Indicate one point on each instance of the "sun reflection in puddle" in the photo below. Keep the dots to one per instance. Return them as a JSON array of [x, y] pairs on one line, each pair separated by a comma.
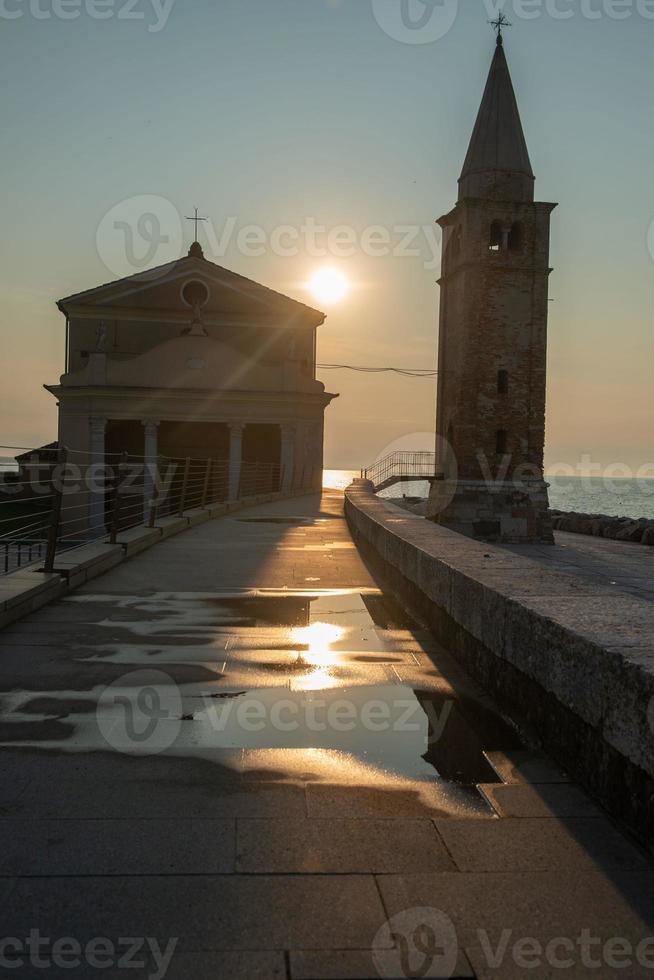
[[318, 637]]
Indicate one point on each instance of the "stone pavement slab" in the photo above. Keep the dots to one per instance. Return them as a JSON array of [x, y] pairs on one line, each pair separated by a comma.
[[552, 961], [206, 912], [142, 799], [575, 844], [360, 965], [339, 845], [118, 847], [244, 965], [543, 904], [539, 800]]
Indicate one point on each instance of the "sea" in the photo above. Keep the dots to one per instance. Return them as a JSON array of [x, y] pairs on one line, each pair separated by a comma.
[[615, 497]]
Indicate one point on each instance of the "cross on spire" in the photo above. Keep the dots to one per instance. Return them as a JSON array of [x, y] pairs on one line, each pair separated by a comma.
[[498, 24], [196, 219]]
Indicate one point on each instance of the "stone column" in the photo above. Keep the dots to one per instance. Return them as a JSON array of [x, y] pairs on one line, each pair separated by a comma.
[[95, 476], [150, 452], [235, 457], [287, 458], [319, 455]]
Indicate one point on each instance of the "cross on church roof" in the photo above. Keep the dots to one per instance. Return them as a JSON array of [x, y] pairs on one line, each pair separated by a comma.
[[196, 219], [498, 24]]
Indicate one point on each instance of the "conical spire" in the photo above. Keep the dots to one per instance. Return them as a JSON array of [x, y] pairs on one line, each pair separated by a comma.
[[497, 164]]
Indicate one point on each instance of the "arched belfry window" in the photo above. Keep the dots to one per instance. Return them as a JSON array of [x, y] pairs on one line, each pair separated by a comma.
[[495, 240], [516, 237], [502, 382]]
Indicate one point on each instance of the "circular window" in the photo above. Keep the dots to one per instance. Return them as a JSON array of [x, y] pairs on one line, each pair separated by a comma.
[[195, 293]]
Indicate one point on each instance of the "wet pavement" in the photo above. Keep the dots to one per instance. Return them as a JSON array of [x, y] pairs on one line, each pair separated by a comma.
[[240, 749]]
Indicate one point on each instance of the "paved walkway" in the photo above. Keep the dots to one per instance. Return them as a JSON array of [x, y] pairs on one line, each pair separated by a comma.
[[238, 750], [625, 564]]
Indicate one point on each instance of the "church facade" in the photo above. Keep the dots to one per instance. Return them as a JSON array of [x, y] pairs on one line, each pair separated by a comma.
[[192, 360], [493, 335]]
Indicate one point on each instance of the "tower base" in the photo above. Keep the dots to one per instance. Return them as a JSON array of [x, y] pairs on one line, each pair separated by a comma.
[[500, 512]]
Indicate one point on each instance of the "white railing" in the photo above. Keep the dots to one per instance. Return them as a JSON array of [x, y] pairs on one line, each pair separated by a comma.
[[399, 467]]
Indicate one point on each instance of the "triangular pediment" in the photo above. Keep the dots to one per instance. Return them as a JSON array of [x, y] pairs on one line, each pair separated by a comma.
[[159, 291]]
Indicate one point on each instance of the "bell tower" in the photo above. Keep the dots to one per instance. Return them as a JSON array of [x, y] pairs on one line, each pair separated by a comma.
[[493, 334]]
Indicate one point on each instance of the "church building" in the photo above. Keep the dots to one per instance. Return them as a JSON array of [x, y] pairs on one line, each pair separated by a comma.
[[493, 334], [192, 360]]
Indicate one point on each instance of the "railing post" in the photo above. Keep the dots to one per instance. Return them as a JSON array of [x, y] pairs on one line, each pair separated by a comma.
[[55, 516], [154, 502], [115, 513], [207, 477], [187, 471]]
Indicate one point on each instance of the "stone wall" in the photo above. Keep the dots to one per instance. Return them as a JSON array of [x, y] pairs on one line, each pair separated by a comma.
[[499, 512], [570, 661]]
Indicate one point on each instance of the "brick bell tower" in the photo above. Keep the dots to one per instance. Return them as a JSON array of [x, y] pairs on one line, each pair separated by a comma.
[[493, 335]]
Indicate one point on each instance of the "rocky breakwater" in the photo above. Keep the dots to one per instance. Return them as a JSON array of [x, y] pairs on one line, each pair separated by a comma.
[[638, 530]]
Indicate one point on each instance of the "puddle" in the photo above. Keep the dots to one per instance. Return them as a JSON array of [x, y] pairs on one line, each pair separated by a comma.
[[392, 728], [304, 678], [190, 621], [397, 730]]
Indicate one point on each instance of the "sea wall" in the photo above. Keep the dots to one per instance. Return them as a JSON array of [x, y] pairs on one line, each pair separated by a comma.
[[570, 661]]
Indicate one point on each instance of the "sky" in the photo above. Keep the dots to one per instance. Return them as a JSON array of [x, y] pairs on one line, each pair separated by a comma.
[[331, 133]]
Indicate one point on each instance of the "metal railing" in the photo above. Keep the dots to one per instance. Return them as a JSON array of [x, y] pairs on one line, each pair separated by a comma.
[[54, 499], [400, 467], [16, 552]]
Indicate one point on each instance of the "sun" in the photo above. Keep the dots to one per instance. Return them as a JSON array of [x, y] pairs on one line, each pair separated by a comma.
[[329, 285]]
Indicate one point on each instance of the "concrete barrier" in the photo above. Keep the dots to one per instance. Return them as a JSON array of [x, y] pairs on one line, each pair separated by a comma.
[[28, 589], [569, 660]]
